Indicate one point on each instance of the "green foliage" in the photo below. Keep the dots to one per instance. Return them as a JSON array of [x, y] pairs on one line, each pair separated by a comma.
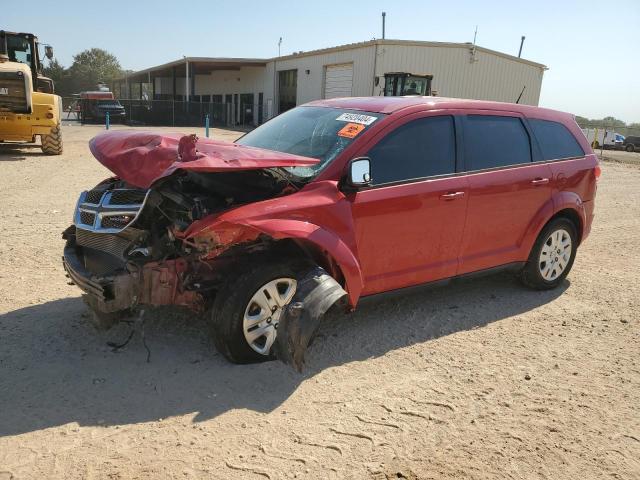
[[93, 66], [608, 122], [89, 68], [61, 80]]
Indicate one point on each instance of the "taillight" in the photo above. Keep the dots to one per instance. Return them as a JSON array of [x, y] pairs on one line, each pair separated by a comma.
[[597, 171]]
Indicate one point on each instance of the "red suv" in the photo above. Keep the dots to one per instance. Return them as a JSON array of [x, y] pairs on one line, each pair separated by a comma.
[[331, 201]]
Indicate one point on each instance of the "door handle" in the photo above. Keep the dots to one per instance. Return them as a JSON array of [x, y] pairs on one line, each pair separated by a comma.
[[539, 181], [451, 195]]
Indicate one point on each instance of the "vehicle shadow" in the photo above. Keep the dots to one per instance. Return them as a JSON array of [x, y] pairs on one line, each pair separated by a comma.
[[12, 152], [56, 369]]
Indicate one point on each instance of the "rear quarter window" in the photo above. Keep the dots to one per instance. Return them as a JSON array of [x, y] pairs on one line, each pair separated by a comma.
[[555, 140], [493, 141]]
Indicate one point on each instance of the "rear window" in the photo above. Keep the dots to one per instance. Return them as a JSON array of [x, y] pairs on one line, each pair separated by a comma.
[[555, 140], [492, 141]]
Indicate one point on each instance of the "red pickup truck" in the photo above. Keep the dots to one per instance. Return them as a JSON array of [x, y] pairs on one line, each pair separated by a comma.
[[327, 203]]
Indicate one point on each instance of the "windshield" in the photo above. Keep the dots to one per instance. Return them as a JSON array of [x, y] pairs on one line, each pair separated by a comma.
[[316, 132], [19, 49]]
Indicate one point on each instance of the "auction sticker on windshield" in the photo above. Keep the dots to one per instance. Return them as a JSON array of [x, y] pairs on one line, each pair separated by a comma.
[[357, 118], [351, 130]]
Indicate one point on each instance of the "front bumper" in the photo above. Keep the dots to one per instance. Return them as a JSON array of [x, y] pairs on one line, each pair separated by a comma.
[[108, 293], [154, 283]]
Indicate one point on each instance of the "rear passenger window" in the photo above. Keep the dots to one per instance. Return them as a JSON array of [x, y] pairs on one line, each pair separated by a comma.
[[555, 140], [491, 141], [418, 149]]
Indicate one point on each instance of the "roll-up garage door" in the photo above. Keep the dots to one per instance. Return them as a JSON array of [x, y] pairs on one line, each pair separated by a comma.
[[338, 81]]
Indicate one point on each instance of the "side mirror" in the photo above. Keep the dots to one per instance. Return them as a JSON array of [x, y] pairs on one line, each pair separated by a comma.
[[48, 52], [359, 174]]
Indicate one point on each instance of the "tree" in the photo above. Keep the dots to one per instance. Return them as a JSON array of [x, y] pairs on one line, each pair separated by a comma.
[[60, 76], [93, 66]]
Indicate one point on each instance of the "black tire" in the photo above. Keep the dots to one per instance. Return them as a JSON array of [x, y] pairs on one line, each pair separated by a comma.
[[231, 301], [530, 274], [630, 147], [52, 143]]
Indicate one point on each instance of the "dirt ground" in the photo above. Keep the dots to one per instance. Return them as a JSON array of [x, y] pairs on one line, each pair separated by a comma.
[[481, 379]]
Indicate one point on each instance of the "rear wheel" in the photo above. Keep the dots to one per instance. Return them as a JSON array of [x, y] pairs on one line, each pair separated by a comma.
[[52, 143], [247, 309], [552, 255]]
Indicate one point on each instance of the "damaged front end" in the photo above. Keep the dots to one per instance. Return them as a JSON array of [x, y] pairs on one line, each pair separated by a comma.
[[133, 242], [125, 247]]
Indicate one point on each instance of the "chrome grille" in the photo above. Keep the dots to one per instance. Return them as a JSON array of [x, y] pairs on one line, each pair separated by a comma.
[[109, 211], [127, 197], [94, 196], [116, 221], [87, 218], [109, 243]]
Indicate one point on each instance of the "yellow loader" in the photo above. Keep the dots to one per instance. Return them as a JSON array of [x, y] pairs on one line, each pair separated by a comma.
[[28, 106]]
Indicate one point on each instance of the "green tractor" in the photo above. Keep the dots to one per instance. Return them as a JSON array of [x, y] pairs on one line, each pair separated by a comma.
[[398, 84]]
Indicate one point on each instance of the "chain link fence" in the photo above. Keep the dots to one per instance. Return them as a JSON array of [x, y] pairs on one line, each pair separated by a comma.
[[174, 113]]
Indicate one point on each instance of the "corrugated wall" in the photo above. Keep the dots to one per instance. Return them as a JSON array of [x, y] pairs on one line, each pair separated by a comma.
[[458, 73], [310, 85]]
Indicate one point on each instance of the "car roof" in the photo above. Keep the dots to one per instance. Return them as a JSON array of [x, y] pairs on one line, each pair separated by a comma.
[[390, 105]]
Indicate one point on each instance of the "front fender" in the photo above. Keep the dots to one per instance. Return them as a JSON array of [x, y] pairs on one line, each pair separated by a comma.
[[208, 234], [325, 240]]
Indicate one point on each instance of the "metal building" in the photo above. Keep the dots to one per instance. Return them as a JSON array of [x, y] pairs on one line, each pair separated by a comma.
[[249, 91]]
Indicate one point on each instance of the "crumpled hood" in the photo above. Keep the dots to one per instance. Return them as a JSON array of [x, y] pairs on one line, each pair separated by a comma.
[[142, 158]]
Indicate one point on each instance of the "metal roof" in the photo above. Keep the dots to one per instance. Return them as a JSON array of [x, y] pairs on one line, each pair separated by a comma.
[[208, 64]]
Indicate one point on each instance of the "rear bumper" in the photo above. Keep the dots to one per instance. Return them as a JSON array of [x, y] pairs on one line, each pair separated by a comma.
[[588, 218]]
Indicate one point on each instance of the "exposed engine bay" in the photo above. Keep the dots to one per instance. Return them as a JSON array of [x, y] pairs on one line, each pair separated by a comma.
[[175, 226], [119, 228]]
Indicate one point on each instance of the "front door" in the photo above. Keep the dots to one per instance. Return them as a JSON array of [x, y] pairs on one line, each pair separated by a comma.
[[409, 224], [506, 191]]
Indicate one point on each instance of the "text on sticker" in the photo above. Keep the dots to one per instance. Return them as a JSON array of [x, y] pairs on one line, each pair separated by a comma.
[[357, 118]]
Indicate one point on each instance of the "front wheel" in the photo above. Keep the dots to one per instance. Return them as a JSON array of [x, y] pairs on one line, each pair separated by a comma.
[[630, 148], [247, 309], [52, 143], [552, 255]]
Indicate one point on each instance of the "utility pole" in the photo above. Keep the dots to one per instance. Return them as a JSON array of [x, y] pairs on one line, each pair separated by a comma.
[[275, 78], [384, 18], [186, 79]]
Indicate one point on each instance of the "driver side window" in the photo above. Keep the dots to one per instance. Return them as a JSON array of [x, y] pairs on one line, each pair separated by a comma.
[[420, 148]]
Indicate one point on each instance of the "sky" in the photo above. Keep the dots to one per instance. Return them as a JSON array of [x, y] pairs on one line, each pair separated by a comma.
[[592, 48]]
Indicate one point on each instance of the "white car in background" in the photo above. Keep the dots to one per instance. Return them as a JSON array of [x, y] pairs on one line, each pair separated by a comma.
[[598, 137]]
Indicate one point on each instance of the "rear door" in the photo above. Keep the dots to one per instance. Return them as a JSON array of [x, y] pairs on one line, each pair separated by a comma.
[[506, 189], [409, 224]]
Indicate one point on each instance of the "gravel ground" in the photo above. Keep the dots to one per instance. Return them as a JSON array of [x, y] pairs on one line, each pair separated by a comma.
[[481, 379]]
